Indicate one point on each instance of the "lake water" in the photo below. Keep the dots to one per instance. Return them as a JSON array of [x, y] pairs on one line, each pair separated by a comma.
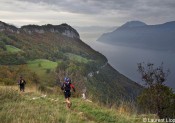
[[124, 59]]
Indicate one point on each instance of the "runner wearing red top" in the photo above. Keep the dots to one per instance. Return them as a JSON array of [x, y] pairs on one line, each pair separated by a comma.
[[67, 85]]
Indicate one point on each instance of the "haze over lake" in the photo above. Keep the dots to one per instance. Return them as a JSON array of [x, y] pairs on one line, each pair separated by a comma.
[[125, 59]]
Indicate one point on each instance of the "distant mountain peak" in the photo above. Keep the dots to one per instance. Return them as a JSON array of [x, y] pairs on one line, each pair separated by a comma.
[[171, 22], [131, 24], [137, 34]]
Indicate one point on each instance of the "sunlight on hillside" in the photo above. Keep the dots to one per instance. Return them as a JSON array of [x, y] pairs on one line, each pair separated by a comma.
[[12, 49], [78, 58], [40, 66]]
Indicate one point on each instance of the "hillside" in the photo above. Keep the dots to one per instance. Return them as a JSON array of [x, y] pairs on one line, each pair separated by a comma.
[[140, 35], [44, 55], [37, 107]]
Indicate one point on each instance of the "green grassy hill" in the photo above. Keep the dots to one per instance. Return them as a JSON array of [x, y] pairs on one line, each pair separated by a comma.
[[36, 107], [44, 55], [12, 49], [40, 66]]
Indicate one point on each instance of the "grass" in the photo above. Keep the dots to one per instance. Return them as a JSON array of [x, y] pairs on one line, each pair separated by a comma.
[[45, 64], [43, 110], [40, 66], [44, 69], [32, 107], [12, 49], [78, 58]]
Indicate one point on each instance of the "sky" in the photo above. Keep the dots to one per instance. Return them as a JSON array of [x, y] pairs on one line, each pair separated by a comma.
[[99, 15], [86, 12]]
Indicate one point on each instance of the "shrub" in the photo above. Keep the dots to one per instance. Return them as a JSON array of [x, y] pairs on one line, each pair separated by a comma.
[[45, 89], [8, 81], [157, 98], [48, 70]]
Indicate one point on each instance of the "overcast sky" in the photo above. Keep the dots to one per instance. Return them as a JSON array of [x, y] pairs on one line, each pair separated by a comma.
[[85, 13]]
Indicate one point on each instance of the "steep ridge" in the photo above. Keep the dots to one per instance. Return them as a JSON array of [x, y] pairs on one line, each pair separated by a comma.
[[54, 43], [63, 29]]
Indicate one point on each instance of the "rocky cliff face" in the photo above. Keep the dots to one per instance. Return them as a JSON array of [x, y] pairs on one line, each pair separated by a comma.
[[7, 27], [63, 29]]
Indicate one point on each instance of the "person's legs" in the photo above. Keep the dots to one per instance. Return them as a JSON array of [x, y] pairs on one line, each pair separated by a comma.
[[68, 99], [22, 88], [67, 95], [69, 103]]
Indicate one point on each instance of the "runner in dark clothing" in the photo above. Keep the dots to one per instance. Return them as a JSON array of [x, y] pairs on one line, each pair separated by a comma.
[[21, 84], [67, 85]]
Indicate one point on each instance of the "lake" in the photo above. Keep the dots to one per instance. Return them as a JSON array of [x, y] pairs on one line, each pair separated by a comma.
[[124, 59]]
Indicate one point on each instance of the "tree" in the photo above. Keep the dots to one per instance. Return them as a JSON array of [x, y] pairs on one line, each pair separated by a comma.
[[2, 46], [39, 64], [156, 97]]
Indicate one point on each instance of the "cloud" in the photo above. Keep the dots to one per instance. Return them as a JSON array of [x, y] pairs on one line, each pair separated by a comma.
[[87, 6], [22, 13], [87, 12], [97, 6]]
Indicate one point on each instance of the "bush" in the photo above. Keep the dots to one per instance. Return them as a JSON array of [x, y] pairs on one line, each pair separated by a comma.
[[156, 97], [48, 70], [45, 89], [2, 45], [12, 58], [163, 102], [8, 81], [39, 65]]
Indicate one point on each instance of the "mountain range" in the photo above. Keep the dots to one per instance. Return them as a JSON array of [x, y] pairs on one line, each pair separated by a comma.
[[52, 52], [140, 35]]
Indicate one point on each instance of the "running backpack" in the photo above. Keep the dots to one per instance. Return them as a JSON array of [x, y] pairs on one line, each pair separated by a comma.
[[67, 86]]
